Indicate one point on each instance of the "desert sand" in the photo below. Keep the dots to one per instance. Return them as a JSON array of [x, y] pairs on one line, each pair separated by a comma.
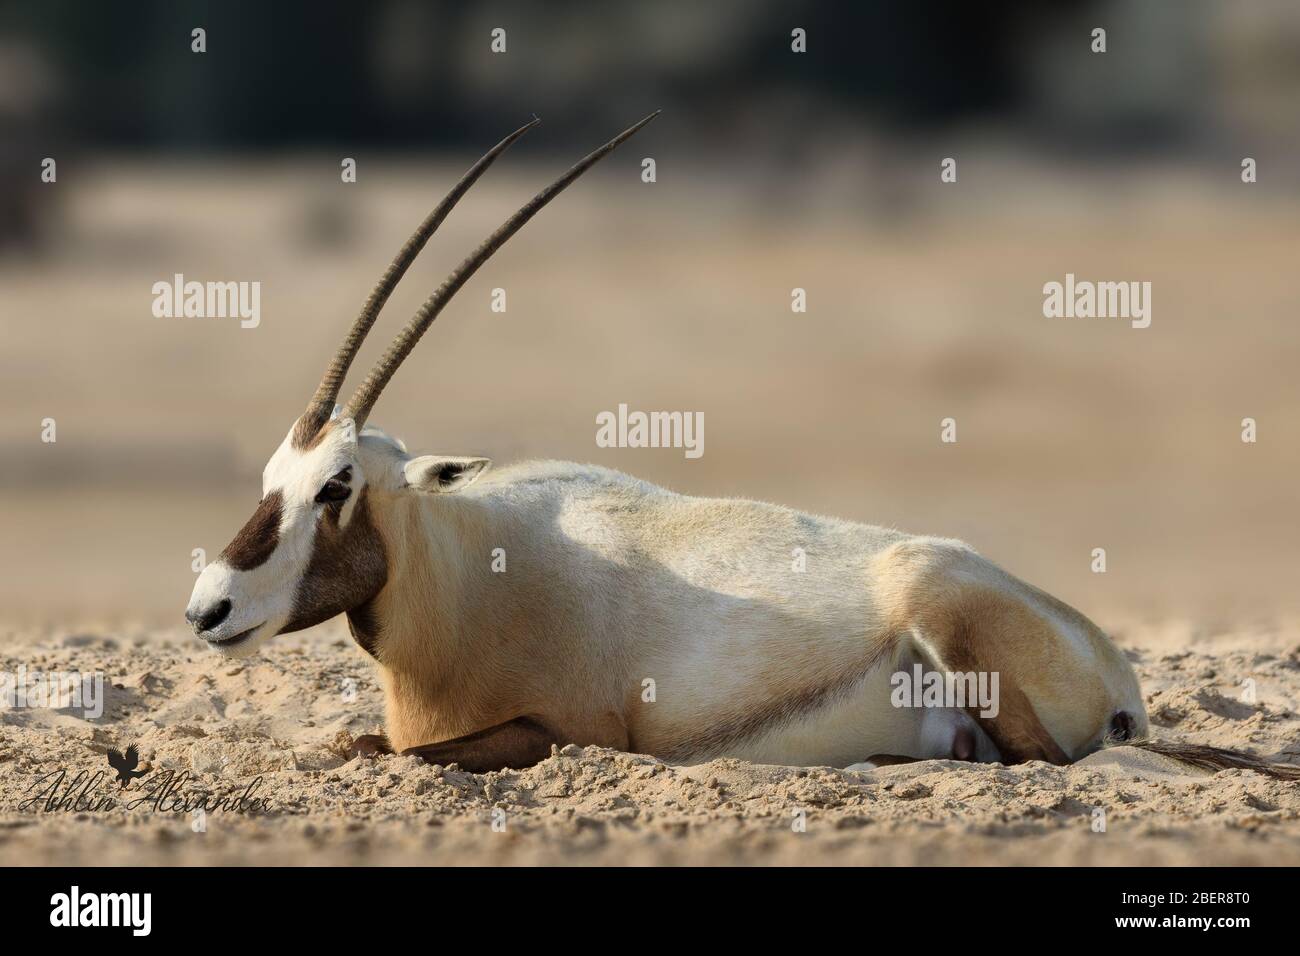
[[287, 717]]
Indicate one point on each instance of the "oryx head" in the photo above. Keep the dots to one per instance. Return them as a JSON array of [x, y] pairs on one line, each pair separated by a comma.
[[312, 548]]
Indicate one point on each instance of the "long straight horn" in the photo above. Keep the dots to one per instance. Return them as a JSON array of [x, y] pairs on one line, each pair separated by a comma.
[[364, 398], [322, 403]]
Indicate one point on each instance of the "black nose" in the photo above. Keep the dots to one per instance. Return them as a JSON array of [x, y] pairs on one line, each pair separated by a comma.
[[1122, 725], [206, 620]]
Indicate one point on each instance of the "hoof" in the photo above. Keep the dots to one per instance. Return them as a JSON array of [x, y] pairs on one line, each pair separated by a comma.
[[370, 745]]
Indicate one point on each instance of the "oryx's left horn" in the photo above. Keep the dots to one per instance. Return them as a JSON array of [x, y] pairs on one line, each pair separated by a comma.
[[322, 403]]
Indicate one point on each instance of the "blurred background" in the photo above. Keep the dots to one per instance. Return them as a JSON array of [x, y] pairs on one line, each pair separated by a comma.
[[775, 170]]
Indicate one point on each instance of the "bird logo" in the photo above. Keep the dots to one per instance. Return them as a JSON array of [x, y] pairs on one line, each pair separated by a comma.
[[125, 765]]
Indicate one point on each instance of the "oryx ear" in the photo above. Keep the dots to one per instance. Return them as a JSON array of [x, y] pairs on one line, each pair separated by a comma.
[[439, 474]]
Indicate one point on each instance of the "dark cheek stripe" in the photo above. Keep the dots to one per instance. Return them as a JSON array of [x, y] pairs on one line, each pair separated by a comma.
[[348, 567], [257, 539]]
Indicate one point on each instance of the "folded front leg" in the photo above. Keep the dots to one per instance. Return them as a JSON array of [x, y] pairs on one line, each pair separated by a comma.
[[515, 744]]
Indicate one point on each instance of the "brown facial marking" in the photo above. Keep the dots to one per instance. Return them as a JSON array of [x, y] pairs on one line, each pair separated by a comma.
[[258, 537], [348, 567]]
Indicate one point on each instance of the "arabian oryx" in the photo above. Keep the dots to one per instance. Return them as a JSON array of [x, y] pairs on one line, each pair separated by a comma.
[[629, 616]]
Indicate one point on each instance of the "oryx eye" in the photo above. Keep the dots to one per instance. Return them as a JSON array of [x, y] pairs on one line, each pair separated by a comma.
[[336, 489]]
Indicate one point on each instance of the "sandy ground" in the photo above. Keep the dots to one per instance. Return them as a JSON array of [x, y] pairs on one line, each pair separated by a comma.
[[285, 717]]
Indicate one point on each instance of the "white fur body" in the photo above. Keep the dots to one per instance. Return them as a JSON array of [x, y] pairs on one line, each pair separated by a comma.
[[611, 582], [615, 591]]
